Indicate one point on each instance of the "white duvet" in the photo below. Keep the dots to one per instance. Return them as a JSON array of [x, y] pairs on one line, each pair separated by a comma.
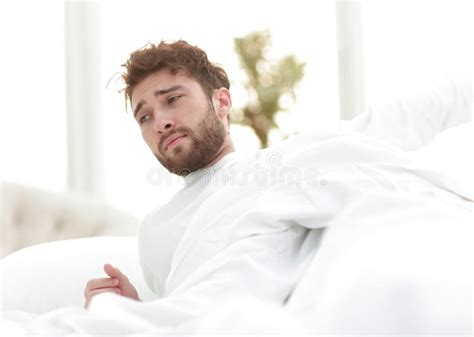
[[391, 227]]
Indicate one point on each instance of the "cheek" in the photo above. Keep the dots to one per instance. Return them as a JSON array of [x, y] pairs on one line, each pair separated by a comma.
[[149, 138]]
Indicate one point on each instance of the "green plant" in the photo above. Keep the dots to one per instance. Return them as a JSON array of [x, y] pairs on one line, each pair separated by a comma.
[[267, 81]]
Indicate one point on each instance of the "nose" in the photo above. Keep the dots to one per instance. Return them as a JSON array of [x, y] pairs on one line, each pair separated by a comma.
[[163, 124]]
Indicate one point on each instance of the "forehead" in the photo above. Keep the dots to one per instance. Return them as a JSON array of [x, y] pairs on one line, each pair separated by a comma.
[[162, 80]]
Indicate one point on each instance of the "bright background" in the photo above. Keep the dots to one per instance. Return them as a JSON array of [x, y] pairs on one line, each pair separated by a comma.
[[400, 41]]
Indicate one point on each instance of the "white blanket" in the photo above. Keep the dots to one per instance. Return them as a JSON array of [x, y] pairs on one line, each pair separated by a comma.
[[359, 188]]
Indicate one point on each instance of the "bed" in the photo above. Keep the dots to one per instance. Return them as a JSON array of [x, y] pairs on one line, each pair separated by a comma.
[[411, 276]]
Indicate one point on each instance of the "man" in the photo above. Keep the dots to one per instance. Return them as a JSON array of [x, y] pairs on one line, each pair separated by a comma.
[[181, 103]]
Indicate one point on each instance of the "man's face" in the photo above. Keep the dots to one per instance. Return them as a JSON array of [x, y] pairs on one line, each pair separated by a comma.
[[179, 124]]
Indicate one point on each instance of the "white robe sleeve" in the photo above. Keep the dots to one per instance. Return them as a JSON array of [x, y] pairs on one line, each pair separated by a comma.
[[259, 254]]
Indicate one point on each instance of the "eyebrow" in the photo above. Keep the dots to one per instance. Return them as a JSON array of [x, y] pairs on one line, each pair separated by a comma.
[[156, 94]]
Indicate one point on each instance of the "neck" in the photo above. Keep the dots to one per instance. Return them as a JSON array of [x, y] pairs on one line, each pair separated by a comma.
[[225, 149]]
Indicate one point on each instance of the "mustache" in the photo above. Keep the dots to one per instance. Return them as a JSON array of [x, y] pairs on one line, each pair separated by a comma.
[[171, 133]]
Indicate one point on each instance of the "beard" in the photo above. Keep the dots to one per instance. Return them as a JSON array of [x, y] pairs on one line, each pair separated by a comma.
[[206, 141]]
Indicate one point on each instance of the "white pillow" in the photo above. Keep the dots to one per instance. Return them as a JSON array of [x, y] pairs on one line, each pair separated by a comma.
[[47, 276]]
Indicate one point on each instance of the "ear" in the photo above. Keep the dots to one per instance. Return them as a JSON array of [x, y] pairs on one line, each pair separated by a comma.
[[222, 102]]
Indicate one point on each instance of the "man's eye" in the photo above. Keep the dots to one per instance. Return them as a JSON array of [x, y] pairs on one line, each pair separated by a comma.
[[143, 119], [173, 99]]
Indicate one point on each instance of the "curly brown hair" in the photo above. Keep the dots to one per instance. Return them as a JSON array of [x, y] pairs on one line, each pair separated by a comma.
[[177, 56]]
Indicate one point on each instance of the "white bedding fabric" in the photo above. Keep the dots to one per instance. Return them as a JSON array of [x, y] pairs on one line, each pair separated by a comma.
[[413, 118], [450, 153], [394, 258]]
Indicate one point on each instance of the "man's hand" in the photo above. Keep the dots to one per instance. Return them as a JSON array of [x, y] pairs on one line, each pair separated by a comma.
[[117, 283]]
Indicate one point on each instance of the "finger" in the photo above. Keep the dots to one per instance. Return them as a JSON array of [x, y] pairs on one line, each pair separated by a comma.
[[100, 283], [103, 290], [114, 272]]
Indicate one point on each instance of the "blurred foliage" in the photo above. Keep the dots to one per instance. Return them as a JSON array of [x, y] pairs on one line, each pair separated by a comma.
[[267, 81]]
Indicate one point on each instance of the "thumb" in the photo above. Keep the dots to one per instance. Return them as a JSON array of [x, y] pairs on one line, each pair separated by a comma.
[[114, 272]]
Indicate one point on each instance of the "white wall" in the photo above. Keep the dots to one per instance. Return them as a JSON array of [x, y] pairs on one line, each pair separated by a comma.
[[408, 42]]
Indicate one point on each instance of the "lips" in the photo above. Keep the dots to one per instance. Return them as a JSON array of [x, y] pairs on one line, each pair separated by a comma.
[[173, 140]]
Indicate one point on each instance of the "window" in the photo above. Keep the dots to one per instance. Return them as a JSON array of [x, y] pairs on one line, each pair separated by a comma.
[[33, 118]]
